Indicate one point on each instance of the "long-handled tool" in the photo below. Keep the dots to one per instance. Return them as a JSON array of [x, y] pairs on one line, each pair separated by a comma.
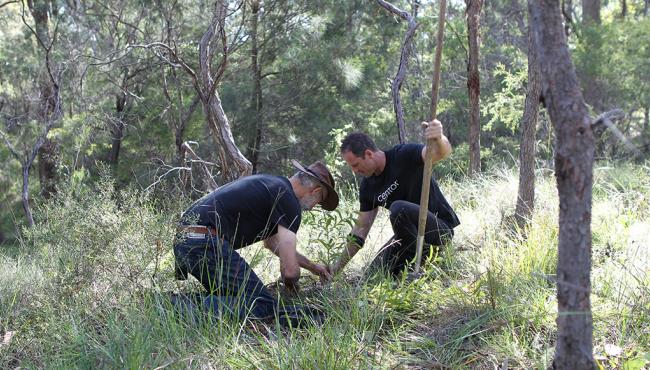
[[428, 162]]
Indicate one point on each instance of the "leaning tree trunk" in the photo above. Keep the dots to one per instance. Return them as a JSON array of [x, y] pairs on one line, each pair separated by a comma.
[[405, 54], [573, 170], [474, 85], [526, 193], [232, 161]]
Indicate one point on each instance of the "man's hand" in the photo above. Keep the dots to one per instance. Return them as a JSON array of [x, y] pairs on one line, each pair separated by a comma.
[[440, 147], [322, 271], [432, 130], [289, 288]]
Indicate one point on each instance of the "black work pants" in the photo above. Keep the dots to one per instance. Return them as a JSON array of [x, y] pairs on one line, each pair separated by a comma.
[[404, 220]]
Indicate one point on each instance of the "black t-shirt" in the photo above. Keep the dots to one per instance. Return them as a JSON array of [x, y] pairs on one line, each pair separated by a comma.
[[248, 210], [402, 180]]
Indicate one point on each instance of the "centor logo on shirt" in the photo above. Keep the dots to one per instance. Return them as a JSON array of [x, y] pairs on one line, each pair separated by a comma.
[[383, 196]]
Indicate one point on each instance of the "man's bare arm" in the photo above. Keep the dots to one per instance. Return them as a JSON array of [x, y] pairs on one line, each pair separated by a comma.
[[283, 245], [361, 229], [441, 147], [274, 244]]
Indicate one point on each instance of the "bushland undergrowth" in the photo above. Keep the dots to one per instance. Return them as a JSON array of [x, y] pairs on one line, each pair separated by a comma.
[[87, 287]]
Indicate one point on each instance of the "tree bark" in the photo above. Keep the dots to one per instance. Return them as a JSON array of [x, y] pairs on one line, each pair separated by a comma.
[[591, 11], [25, 195], [592, 37], [573, 170], [256, 101], [526, 194], [646, 5], [474, 85], [400, 77], [646, 129], [567, 12], [48, 153], [117, 129], [48, 159], [232, 161]]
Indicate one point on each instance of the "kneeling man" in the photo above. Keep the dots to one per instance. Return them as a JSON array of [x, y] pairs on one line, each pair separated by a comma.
[[255, 208]]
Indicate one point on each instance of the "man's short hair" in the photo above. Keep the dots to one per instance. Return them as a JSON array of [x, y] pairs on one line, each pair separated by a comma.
[[358, 143]]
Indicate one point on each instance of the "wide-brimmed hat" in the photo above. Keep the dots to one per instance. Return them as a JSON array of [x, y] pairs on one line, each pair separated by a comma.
[[319, 172]]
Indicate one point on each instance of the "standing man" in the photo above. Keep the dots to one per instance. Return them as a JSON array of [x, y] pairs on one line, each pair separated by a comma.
[[255, 208], [393, 180]]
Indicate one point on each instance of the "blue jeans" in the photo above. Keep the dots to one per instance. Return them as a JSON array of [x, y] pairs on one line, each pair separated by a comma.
[[404, 217], [231, 283]]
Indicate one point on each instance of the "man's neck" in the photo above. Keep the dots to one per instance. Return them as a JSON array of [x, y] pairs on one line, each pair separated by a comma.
[[298, 189], [381, 162]]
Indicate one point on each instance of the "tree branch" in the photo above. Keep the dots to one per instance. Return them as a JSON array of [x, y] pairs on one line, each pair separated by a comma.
[[405, 54], [185, 148], [11, 148], [606, 119], [7, 3]]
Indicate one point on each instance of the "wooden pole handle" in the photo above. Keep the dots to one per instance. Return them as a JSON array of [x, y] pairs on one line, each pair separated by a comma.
[[428, 161]]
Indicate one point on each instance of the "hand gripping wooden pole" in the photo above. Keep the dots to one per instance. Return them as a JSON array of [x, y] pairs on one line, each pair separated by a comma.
[[428, 162]]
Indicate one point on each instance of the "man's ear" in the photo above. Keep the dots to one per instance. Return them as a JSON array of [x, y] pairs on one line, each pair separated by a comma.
[[367, 154]]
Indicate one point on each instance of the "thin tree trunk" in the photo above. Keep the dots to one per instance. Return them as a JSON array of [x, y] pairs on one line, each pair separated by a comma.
[[232, 161], [591, 11], [526, 194], [646, 5], [592, 37], [117, 129], [25, 196], [48, 159], [48, 154], [400, 77], [574, 173], [256, 102], [474, 85], [646, 129], [567, 12]]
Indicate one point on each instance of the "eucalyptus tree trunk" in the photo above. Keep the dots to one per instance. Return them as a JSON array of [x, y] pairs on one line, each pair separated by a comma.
[[591, 11], [405, 55], [256, 101], [474, 84], [526, 194], [567, 11], [646, 129], [117, 129], [232, 161], [49, 99], [574, 173], [593, 92]]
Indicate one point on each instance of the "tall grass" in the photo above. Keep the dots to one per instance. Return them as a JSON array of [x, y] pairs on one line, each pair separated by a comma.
[[88, 288]]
